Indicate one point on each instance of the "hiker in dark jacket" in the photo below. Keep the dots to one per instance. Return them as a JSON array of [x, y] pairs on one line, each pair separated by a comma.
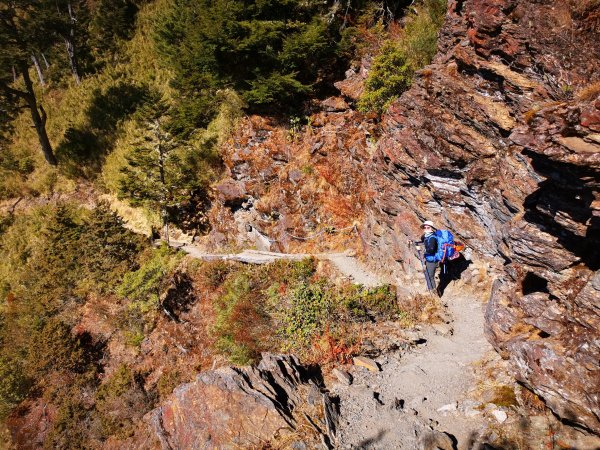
[[430, 242]]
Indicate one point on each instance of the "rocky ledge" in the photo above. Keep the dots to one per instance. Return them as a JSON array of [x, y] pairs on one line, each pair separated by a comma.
[[498, 141], [246, 407]]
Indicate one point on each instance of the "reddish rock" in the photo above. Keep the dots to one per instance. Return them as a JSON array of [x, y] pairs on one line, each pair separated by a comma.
[[245, 407], [334, 104], [30, 423], [490, 145], [231, 191]]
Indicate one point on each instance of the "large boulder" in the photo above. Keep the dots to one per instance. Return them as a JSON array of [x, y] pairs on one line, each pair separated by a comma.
[[245, 407]]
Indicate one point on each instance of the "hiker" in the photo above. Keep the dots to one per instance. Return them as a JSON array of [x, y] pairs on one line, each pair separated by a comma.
[[430, 242], [440, 249]]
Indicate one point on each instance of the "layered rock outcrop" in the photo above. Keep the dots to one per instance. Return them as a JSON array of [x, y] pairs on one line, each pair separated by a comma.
[[248, 407], [498, 140]]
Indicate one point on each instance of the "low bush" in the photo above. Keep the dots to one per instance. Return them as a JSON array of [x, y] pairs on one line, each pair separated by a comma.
[[285, 306], [143, 289], [399, 58], [120, 401]]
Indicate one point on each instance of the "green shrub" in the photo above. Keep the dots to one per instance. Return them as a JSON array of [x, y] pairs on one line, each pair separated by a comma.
[[14, 385], [394, 67], [390, 75], [143, 288], [120, 401], [240, 321], [311, 306], [366, 303]]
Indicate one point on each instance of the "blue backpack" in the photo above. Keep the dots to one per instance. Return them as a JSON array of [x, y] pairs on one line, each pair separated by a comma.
[[446, 248]]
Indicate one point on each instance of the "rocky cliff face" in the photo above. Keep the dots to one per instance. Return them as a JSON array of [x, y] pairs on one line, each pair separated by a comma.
[[498, 140], [247, 407]]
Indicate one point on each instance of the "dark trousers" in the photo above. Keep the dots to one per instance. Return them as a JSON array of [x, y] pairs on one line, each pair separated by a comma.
[[430, 267]]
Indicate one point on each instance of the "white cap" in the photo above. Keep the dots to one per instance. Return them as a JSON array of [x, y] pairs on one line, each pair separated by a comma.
[[430, 223]]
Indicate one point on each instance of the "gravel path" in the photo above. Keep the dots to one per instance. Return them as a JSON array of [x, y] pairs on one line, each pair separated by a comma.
[[415, 392], [396, 407]]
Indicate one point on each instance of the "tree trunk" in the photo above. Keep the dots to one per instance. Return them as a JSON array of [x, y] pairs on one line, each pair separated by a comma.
[[45, 61], [38, 115], [38, 70], [70, 44]]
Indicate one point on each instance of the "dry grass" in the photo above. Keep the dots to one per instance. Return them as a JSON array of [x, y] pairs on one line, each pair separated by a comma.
[[589, 92], [537, 108], [420, 308], [532, 401]]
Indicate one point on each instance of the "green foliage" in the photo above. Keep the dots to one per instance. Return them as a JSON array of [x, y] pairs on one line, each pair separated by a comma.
[[394, 67], [366, 303], [274, 53], [83, 148], [161, 173], [120, 401], [310, 308], [14, 386], [69, 427], [167, 382], [145, 285], [143, 288], [111, 22], [238, 319], [390, 76], [284, 307], [50, 262]]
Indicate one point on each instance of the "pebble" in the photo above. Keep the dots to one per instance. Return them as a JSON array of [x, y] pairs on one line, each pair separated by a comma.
[[500, 416], [366, 362], [449, 407]]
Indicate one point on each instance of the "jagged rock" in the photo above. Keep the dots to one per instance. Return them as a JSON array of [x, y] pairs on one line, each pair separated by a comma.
[[334, 104], [495, 140], [241, 407], [231, 191], [490, 149], [367, 363]]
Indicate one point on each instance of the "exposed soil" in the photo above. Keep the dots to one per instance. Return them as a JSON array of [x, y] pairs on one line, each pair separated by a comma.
[[395, 407]]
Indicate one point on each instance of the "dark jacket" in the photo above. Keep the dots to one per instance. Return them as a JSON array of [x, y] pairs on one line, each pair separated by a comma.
[[431, 245]]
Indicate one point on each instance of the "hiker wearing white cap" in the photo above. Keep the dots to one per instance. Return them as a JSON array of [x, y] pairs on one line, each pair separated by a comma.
[[430, 242]]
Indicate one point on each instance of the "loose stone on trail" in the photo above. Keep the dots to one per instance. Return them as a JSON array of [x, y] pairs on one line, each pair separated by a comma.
[[343, 376], [366, 362]]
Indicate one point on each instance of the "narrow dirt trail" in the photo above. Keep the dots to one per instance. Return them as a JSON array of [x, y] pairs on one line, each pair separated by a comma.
[[347, 265], [396, 407], [415, 392]]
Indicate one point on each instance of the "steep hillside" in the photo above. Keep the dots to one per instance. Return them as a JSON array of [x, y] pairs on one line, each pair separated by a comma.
[[498, 140], [233, 126]]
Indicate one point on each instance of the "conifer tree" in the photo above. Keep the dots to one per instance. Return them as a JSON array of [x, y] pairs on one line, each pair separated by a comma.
[[26, 28], [157, 173]]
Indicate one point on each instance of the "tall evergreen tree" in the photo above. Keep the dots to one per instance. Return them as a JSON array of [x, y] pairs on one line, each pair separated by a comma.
[[27, 27], [274, 53], [160, 172]]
